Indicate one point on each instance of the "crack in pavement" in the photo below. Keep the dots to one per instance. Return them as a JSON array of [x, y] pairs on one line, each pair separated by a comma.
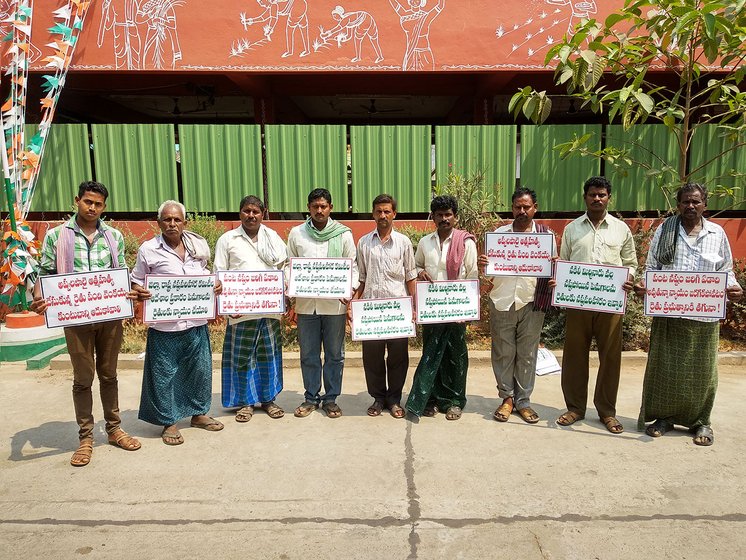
[[413, 497]]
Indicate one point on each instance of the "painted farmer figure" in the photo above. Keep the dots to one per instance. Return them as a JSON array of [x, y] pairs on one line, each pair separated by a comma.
[[252, 350], [84, 244], [415, 22], [177, 374], [354, 25], [595, 237], [321, 322], [385, 261], [446, 254], [681, 376], [517, 307]]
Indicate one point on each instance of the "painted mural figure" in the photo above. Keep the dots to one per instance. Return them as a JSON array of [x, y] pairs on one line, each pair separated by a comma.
[[160, 18], [297, 19], [416, 25], [580, 11], [7, 14], [119, 17], [354, 24], [270, 15]]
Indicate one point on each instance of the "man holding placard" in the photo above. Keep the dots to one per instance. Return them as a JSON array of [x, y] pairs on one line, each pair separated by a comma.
[[681, 375], [446, 254], [177, 374], [321, 321], [86, 243], [517, 307], [599, 238], [252, 350], [385, 260]]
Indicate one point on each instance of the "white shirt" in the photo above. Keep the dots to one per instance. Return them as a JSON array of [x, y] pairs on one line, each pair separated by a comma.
[[431, 258], [301, 244], [385, 267], [236, 251], [518, 290]]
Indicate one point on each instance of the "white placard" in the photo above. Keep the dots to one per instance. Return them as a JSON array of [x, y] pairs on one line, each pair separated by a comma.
[[546, 362], [519, 254], [382, 319], [320, 278], [591, 287], [251, 292], [179, 298], [81, 298], [674, 293], [448, 301]]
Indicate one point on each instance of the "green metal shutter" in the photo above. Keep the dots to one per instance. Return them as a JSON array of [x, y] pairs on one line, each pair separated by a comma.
[[391, 159], [301, 158], [558, 183], [137, 162], [708, 142], [66, 163], [490, 149], [220, 164], [647, 143]]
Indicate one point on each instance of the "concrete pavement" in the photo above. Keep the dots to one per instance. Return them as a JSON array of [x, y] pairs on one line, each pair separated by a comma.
[[359, 487]]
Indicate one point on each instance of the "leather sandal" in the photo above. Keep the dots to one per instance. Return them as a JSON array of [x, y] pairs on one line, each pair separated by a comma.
[[396, 411], [375, 409], [332, 409], [305, 409], [658, 428], [273, 410], [503, 411], [613, 425], [528, 415], [568, 418], [453, 413], [82, 455], [120, 438], [244, 414], [704, 436]]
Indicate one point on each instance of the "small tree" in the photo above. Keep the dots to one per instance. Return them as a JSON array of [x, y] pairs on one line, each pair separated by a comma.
[[675, 62]]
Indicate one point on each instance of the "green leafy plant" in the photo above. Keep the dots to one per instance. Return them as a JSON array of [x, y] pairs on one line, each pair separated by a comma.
[[208, 227]]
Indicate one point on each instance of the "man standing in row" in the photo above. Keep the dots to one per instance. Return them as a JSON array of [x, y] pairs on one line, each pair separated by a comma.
[[517, 307], [84, 244], [446, 254], [385, 261], [252, 350], [321, 321], [595, 237], [681, 376], [177, 374]]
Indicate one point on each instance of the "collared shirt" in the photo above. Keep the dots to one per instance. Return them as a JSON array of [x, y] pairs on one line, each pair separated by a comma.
[[301, 244], [611, 244], [385, 267], [236, 251], [518, 290], [88, 255], [709, 251], [432, 258], [156, 257]]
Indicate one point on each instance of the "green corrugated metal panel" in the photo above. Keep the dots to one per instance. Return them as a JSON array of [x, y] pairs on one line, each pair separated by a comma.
[[391, 159], [301, 158], [558, 183], [707, 144], [648, 143], [138, 164], [66, 163], [466, 149], [220, 164]]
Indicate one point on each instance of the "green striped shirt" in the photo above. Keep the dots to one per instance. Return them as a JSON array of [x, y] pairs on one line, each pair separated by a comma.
[[89, 255]]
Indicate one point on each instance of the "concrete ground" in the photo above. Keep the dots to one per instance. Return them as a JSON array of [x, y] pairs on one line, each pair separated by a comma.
[[360, 487]]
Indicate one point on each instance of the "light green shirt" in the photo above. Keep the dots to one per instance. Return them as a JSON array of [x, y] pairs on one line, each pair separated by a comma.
[[611, 244]]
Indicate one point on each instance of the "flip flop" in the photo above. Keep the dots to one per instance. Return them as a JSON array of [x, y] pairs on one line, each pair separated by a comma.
[[172, 438], [211, 426]]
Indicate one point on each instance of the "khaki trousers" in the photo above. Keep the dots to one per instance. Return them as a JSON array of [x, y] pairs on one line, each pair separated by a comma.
[[95, 348], [581, 327]]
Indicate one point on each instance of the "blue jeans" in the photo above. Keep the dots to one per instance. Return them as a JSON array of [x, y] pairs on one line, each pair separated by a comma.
[[313, 330]]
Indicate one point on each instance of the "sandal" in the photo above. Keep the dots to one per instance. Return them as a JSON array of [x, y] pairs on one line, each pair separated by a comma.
[[273, 410], [704, 436], [504, 411], [613, 425], [332, 409], [430, 411], [244, 414], [120, 438], [396, 411], [453, 413], [82, 455], [211, 425], [305, 409], [375, 409], [528, 414], [658, 428], [171, 438], [568, 418]]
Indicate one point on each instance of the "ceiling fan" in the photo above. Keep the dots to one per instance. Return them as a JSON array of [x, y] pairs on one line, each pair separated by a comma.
[[373, 110]]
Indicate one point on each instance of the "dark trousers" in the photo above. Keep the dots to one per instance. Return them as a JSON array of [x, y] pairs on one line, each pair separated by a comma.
[[392, 368], [95, 349], [582, 327]]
